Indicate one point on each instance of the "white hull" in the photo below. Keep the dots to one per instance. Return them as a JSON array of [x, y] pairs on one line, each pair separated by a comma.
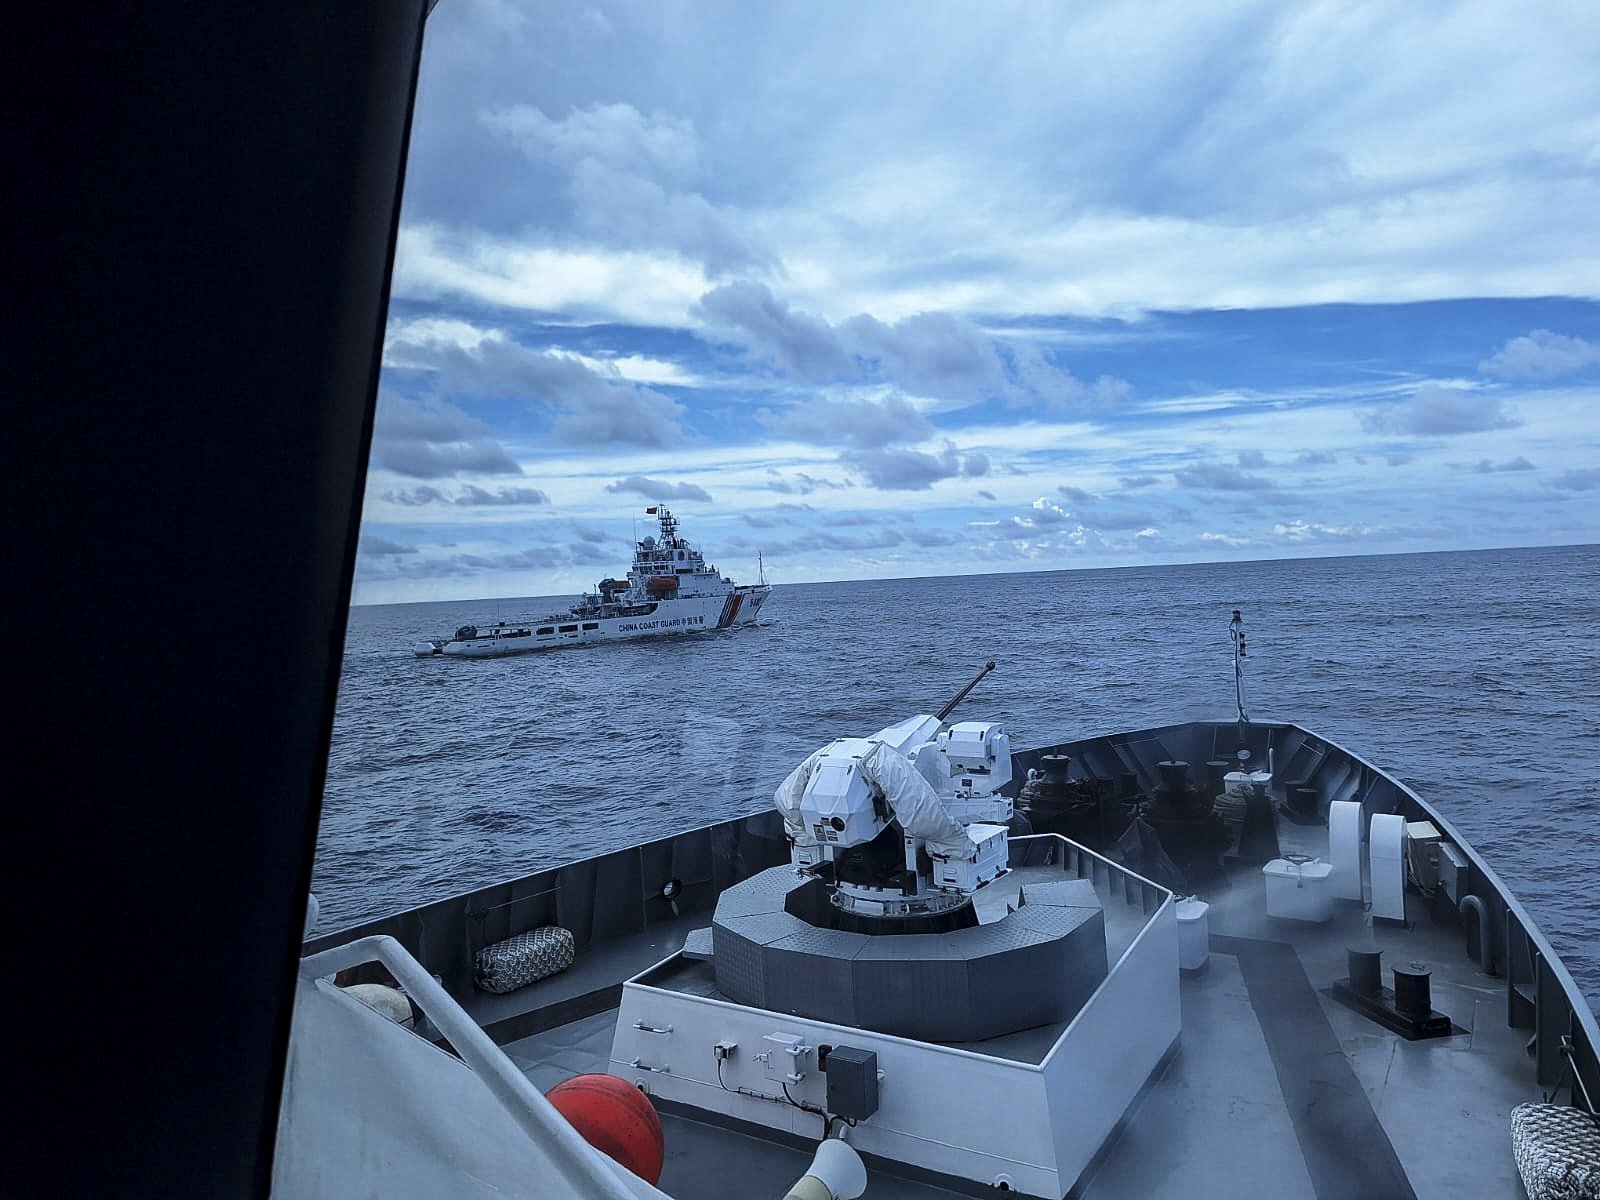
[[691, 614]]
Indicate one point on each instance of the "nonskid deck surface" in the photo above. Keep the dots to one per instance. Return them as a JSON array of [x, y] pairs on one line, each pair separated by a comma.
[[1275, 1087]]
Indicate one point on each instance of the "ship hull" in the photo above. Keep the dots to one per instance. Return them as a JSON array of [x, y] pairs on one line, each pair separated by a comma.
[[669, 618]]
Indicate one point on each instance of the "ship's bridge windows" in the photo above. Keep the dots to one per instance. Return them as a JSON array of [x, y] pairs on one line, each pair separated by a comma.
[[543, 629]]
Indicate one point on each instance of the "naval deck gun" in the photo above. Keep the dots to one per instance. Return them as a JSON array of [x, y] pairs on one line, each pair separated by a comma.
[[905, 825]]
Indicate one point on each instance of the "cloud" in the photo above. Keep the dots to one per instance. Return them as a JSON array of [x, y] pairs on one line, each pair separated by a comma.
[[589, 408], [1485, 467], [1139, 481], [986, 495], [1442, 410], [1047, 512], [1078, 495], [1309, 531], [844, 520], [864, 424], [1541, 356], [374, 545], [1216, 477], [629, 179], [1252, 460], [1316, 458], [659, 489], [935, 354], [434, 440], [408, 563], [912, 470], [929, 353], [1582, 479], [804, 346], [471, 496], [800, 484]]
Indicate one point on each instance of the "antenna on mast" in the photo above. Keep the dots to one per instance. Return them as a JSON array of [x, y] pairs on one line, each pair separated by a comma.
[[1236, 632]]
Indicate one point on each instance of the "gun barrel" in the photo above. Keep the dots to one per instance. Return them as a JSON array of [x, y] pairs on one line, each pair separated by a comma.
[[962, 694]]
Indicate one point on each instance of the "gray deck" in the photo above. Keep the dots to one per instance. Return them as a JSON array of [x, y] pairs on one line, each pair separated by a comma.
[[1275, 1088]]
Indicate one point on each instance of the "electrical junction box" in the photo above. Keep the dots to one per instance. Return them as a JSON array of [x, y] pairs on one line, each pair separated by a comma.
[[1453, 868], [786, 1057], [852, 1082], [1422, 853]]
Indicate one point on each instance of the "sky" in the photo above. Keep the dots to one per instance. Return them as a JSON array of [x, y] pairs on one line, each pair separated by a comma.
[[890, 290]]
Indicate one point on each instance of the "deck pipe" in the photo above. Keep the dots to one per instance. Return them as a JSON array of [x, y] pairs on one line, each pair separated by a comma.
[[1475, 906]]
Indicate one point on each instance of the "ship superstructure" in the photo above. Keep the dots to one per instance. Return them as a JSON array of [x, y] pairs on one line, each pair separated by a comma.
[[669, 589]]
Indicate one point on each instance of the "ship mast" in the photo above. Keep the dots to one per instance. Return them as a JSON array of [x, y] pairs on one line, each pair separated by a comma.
[[669, 526], [1236, 632]]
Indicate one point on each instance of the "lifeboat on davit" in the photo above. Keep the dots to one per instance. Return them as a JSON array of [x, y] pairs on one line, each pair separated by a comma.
[[661, 585]]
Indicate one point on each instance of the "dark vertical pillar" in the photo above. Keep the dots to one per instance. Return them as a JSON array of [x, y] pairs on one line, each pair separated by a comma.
[[202, 206]]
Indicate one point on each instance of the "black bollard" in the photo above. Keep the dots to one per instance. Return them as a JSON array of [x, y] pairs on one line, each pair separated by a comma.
[[1412, 993], [1366, 969]]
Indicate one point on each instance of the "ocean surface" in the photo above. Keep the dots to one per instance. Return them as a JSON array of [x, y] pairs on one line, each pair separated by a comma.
[[1471, 677]]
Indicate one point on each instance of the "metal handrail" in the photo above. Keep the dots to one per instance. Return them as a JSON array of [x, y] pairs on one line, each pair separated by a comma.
[[515, 1092]]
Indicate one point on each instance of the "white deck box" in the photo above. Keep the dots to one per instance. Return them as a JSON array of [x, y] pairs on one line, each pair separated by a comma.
[[1194, 934], [1299, 891]]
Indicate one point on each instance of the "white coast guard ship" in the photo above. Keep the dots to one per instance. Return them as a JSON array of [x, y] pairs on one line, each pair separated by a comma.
[[670, 589]]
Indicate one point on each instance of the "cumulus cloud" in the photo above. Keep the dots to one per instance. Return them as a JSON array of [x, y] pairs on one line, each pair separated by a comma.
[[1541, 356], [1485, 467], [1581, 479], [629, 178], [893, 469], [844, 520], [471, 496], [803, 345], [430, 563], [935, 354], [1216, 477], [589, 408], [659, 489], [799, 483], [1047, 512], [1442, 410], [372, 544], [431, 439], [1308, 531], [931, 353], [862, 423]]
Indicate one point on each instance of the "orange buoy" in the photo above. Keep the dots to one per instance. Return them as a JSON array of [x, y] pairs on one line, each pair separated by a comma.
[[615, 1118]]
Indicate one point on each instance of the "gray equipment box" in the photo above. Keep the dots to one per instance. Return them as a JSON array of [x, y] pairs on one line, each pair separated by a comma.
[[852, 1082]]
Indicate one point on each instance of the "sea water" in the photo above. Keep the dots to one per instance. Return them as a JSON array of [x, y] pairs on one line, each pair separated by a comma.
[[1471, 677]]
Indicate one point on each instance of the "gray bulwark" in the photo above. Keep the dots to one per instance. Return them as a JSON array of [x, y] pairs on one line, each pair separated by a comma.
[[1032, 967]]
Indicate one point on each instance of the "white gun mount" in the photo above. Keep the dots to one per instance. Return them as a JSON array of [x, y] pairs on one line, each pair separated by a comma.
[[907, 823]]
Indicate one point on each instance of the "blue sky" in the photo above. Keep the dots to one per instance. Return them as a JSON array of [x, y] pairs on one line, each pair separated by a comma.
[[907, 289]]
